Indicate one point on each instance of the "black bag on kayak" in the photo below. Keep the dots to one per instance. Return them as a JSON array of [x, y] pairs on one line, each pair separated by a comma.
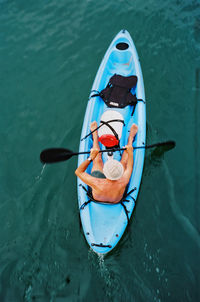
[[118, 92]]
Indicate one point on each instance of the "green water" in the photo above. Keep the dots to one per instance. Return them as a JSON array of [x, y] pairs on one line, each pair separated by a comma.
[[49, 54]]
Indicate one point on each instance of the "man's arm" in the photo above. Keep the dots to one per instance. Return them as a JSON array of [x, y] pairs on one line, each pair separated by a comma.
[[129, 167], [80, 171]]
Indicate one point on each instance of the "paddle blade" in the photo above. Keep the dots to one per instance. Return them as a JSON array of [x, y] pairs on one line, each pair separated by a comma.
[[163, 147], [55, 155], [166, 146]]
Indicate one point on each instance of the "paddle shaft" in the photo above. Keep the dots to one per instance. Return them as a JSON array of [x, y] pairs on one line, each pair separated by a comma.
[[53, 155], [122, 149]]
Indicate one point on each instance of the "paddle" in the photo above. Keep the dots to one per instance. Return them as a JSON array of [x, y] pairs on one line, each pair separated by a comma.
[[54, 155]]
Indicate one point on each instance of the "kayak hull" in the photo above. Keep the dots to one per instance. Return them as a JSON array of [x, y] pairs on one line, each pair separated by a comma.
[[103, 224]]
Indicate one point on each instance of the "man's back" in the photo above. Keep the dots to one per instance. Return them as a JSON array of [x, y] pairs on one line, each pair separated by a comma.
[[106, 190]]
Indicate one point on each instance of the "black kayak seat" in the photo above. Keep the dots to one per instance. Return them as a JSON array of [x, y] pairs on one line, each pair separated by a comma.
[[118, 91]]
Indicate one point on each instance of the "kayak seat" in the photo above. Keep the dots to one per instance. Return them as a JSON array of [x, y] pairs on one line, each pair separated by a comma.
[[117, 93]]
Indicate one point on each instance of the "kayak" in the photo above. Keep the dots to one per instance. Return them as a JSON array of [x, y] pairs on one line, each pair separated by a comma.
[[104, 224]]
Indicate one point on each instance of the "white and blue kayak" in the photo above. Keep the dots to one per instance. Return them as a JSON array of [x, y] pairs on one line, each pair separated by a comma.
[[104, 224]]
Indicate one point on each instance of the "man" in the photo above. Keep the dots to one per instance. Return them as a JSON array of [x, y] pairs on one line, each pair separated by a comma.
[[108, 181]]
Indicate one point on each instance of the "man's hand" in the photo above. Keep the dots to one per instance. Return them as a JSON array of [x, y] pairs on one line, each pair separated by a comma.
[[93, 153], [129, 149]]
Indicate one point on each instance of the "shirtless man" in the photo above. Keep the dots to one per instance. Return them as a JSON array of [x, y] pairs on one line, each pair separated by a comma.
[[108, 181]]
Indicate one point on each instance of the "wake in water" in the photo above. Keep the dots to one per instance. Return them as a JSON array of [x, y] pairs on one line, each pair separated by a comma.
[[109, 273], [100, 265], [104, 271]]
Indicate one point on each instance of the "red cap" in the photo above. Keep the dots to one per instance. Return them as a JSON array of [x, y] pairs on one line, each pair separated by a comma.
[[108, 140]]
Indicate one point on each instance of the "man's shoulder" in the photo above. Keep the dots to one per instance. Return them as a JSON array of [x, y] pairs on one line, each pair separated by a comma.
[[124, 180]]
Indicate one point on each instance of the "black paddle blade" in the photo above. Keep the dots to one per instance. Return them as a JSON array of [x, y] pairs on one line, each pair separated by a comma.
[[163, 147], [55, 155], [166, 146]]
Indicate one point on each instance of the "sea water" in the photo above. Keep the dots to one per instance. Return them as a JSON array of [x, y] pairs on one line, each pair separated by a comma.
[[49, 54]]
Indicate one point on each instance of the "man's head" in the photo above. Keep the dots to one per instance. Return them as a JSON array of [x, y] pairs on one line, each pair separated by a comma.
[[113, 169]]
